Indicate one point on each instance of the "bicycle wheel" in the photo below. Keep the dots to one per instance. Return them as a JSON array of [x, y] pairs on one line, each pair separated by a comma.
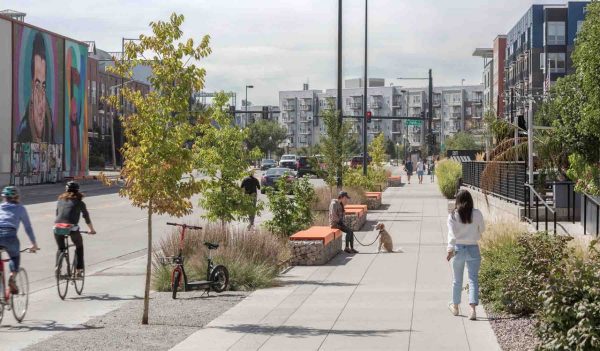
[[176, 280], [62, 275], [20, 301], [78, 281], [219, 278]]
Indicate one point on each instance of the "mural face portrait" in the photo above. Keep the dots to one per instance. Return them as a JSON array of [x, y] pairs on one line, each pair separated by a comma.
[[38, 99]]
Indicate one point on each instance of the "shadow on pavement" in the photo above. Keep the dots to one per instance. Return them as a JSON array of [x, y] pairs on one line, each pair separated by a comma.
[[301, 332], [181, 296], [103, 297], [45, 325], [313, 282]]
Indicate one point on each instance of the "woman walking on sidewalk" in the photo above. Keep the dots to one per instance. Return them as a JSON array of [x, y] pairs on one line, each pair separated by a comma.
[[465, 226]]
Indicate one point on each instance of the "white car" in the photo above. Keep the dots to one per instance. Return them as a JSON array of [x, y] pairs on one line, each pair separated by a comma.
[[289, 161]]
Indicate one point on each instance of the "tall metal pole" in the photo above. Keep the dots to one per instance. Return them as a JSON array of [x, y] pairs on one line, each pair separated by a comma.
[[122, 109], [246, 105], [430, 129], [530, 142], [339, 84], [514, 120], [365, 97]]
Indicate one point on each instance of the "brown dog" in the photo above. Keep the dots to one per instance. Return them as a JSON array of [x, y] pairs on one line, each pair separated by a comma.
[[385, 239]]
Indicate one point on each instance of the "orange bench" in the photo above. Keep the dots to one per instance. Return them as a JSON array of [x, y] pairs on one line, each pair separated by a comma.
[[325, 234], [373, 200], [364, 207], [315, 246]]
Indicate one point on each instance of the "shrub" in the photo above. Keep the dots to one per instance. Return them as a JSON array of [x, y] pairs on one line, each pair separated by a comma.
[[253, 259], [515, 268], [290, 213], [448, 173], [570, 315], [374, 181]]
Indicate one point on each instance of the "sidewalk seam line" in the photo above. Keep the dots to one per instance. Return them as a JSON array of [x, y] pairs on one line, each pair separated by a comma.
[[412, 312]]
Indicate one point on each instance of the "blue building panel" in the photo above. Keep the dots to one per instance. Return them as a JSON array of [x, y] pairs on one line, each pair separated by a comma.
[[576, 13], [537, 27]]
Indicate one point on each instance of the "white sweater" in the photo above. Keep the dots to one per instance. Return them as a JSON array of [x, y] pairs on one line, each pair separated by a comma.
[[464, 233]]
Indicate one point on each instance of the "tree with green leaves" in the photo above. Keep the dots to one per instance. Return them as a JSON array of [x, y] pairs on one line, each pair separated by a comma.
[[290, 213], [154, 159], [377, 150], [335, 145], [222, 155], [462, 141], [266, 136]]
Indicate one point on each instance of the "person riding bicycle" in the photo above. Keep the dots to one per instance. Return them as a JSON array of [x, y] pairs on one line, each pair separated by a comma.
[[12, 213], [69, 209]]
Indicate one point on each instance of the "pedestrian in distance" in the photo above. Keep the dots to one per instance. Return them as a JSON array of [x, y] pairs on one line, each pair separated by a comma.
[[420, 171], [432, 170], [408, 168], [12, 214], [336, 220], [465, 226], [251, 185]]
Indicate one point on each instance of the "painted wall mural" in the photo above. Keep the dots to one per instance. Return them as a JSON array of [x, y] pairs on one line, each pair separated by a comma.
[[76, 139]]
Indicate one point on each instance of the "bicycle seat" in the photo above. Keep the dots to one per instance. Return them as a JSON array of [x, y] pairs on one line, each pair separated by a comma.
[[211, 246]]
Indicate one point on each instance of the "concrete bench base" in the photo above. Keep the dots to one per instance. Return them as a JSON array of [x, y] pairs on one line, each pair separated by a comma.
[[394, 181], [355, 222]]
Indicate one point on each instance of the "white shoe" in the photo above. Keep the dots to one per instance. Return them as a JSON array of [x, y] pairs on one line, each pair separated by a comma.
[[473, 315], [453, 309]]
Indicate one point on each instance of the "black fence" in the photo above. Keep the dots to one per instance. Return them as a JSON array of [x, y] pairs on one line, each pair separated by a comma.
[[508, 178]]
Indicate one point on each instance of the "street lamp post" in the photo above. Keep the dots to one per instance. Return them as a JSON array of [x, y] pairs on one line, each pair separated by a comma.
[[246, 103], [365, 99]]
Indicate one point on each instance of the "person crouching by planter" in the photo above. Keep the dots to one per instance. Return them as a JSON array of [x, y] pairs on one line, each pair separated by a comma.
[[336, 219], [465, 226]]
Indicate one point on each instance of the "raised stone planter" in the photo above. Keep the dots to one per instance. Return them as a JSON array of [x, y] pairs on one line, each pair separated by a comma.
[[394, 181], [315, 246], [355, 218]]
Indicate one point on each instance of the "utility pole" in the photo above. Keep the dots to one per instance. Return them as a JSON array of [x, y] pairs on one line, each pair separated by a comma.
[[365, 97], [514, 120], [530, 131], [430, 130], [339, 85]]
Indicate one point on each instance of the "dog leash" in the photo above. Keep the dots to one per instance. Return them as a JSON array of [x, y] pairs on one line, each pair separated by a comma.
[[361, 244]]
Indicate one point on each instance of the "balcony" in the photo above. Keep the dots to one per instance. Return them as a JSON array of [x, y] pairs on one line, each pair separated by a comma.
[[478, 101], [305, 131], [355, 105], [437, 103], [397, 103], [376, 105], [289, 107], [455, 115], [305, 107]]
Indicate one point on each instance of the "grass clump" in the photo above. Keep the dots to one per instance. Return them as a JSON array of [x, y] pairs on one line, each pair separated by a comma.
[[448, 173], [252, 258]]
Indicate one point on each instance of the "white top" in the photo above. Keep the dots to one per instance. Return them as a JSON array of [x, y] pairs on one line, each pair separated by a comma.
[[420, 166], [464, 233]]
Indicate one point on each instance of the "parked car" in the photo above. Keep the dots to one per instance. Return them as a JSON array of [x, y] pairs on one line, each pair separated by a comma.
[[357, 161], [267, 163], [310, 165], [288, 161], [272, 175]]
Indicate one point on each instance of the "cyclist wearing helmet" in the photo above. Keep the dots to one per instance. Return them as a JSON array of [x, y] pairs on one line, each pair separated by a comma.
[[12, 213], [69, 209]]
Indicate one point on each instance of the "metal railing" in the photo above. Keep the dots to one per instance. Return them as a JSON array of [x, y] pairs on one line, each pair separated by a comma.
[[587, 198], [530, 190], [507, 183]]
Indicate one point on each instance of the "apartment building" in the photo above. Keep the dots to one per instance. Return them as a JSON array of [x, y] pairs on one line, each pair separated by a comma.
[[493, 75], [459, 108], [538, 52]]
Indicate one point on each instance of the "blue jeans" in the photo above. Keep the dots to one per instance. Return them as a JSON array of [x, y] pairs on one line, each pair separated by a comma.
[[10, 243], [470, 255]]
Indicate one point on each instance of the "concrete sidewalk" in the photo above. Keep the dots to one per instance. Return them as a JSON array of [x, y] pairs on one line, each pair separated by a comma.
[[367, 301]]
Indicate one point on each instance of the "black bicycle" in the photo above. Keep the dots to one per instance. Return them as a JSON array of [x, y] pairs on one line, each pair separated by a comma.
[[19, 302], [217, 277], [66, 271]]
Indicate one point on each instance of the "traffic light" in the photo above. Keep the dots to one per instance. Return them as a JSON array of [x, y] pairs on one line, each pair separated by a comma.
[[265, 112], [369, 115]]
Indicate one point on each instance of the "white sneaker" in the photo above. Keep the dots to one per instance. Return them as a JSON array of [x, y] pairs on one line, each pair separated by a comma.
[[473, 315], [453, 309]]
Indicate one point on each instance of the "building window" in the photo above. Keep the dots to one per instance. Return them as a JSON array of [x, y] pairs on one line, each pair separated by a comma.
[[579, 26], [556, 62], [93, 97], [556, 33]]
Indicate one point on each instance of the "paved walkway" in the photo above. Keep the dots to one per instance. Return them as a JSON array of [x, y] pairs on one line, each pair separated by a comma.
[[364, 302]]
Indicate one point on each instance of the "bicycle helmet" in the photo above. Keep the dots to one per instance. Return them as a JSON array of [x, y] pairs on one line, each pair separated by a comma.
[[72, 187], [10, 191]]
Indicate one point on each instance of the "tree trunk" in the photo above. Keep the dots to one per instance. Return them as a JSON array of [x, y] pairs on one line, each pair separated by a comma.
[[148, 267], [112, 141]]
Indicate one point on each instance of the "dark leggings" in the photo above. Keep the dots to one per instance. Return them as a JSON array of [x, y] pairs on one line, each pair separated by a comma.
[[78, 241], [349, 234]]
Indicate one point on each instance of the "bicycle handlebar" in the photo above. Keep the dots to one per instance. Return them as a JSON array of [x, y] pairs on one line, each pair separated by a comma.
[[184, 225], [29, 250]]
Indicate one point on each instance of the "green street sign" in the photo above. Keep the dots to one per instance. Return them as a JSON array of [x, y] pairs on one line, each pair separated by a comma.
[[414, 122]]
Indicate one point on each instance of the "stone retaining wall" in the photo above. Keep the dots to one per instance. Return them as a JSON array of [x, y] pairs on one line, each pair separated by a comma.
[[355, 222], [313, 253], [373, 203]]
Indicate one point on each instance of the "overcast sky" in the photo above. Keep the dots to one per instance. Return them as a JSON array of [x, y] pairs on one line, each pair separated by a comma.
[[280, 44]]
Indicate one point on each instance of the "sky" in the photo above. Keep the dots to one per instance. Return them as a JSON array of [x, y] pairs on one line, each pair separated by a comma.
[[278, 45]]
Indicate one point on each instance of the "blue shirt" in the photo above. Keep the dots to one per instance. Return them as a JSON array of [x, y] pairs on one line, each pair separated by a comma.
[[11, 215]]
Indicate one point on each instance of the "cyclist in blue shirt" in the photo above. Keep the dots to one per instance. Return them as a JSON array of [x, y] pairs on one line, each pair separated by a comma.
[[12, 213]]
